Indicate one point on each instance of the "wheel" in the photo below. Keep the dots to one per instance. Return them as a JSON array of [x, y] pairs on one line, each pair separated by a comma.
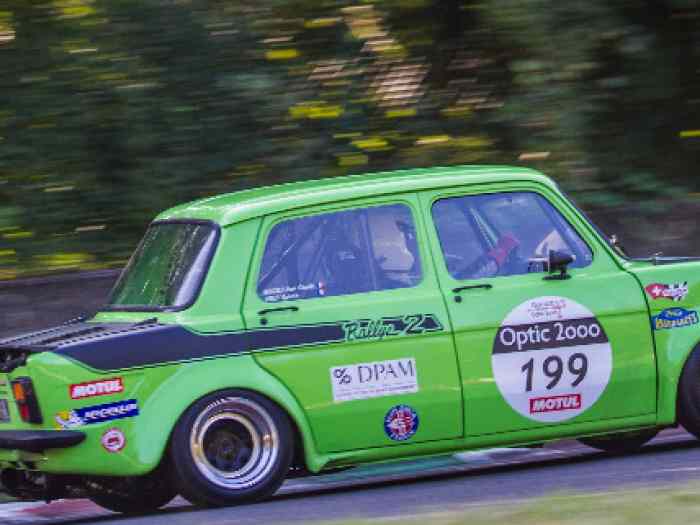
[[135, 495], [231, 447], [688, 405], [622, 442]]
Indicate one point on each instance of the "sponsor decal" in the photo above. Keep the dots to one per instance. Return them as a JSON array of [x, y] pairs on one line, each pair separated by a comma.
[[401, 423], [377, 379], [113, 440], [551, 359], [390, 326], [555, 403], [4, 411], [673, 291], [97, 414], [674, 318], [103, 387]]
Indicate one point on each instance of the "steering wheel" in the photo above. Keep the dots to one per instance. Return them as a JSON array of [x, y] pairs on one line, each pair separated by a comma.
[[503, 256], [483, 266]]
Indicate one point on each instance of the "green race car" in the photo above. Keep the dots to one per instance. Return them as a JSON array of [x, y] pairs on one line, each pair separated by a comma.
[[321, 324]]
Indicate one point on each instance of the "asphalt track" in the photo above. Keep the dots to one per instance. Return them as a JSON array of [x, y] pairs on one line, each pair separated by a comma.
[[399, 490]]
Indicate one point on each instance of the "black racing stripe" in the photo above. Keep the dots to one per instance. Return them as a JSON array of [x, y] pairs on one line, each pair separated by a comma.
[[295, 336], [165, 344]]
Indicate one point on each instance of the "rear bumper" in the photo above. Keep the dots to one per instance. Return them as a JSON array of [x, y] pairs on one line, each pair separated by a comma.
[[38, 440]]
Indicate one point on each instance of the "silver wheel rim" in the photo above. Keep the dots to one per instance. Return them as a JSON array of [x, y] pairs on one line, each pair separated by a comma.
[[234, 443]]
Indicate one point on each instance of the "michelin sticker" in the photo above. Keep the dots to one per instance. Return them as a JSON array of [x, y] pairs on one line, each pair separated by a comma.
[[551, 359], [674, 318], [97, 414], [377, 379]]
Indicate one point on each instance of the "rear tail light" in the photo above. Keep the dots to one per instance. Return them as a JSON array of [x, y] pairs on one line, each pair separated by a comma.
[[27, 403]]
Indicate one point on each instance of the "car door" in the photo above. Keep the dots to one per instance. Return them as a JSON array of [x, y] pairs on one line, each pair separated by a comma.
[[345, 303], [535, 351]]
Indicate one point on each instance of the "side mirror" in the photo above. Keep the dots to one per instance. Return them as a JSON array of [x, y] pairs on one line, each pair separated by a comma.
[[558, 262], [616, 244]]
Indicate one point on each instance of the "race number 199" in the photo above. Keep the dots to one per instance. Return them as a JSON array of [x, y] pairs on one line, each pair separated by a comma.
[[551, 359], [553, 368]]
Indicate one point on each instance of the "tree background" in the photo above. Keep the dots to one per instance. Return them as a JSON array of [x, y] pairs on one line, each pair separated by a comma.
[[112, 110]]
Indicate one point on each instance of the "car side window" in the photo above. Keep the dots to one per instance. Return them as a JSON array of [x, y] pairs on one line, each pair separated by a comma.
[[340, 253], [503, 234]]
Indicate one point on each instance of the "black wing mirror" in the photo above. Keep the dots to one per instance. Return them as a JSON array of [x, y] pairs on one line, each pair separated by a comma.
[[558, 262]]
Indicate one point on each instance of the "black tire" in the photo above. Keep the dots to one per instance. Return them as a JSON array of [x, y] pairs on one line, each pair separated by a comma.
[[136, 495], [622, 442], [688, 405], [230, 447]]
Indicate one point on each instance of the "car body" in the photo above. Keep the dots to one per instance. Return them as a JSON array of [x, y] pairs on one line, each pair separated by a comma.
[[345, 321]]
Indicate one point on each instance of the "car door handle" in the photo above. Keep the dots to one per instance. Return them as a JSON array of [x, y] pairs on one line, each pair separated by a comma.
[[280, 309], [263, 313], [459, 289]]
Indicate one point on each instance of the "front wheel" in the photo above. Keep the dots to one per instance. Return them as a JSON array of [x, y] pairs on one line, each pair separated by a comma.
[[231, 447], [622, 442], [688, 405]]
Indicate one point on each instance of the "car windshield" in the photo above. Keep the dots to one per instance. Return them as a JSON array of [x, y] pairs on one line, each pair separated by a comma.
[[167, 269]]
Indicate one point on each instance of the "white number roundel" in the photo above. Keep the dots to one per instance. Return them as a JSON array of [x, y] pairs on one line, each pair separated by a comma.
[[551, 359]]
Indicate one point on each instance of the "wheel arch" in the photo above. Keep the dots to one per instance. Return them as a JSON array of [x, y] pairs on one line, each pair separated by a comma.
[[164, 407], [674, 351]]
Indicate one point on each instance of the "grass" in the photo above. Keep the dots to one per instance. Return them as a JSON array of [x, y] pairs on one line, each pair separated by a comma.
[[664, 506]]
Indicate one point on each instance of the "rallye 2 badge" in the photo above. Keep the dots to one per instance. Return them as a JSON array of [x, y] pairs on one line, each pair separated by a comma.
[[551, 359], [412, 324]]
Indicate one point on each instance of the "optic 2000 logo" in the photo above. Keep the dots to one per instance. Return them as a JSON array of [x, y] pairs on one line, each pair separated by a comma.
[[551, 359]]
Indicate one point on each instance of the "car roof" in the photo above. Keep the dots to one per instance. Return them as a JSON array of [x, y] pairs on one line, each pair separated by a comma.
[[242, 205]]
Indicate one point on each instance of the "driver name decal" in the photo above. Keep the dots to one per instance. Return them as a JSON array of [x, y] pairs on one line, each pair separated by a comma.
[[551, 359]]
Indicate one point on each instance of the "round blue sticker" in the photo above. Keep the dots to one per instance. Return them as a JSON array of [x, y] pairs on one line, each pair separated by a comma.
[[401, 423]]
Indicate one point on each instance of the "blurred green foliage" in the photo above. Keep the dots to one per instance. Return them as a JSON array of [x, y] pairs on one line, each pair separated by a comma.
[[111, 110]]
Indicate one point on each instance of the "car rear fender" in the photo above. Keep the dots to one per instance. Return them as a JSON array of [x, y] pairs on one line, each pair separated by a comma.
[[186, 383]]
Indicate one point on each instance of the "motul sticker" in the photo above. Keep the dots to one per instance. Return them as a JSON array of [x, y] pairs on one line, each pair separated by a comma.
[[103, 387], [551, 359], [377, 379], [673, 291], [555, 403]]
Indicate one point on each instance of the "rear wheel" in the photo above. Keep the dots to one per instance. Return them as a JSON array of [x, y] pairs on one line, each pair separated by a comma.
[[622, 442], [231, 447]]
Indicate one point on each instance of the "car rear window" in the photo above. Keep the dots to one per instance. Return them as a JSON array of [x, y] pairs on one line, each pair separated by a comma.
[[340, 253], [167, 270]]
